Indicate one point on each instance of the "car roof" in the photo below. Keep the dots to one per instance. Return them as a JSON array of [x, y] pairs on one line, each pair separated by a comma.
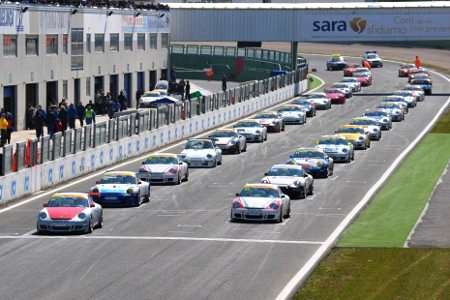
[[248, 120], [163, 155], [261, 185], [200, 139], [71, 195], [286, 166], [351, 126], [123, 173], [225, 129], [304, 149]]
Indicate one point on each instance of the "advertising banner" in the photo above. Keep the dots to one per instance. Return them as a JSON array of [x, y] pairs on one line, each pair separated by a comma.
[[374, 25], [13, 20]]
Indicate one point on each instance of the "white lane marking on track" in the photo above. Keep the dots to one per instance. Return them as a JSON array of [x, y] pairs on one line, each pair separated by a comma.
[[162, 238], [291, 287], [333, 178], [189, 226], [134, 160], [30, 232]]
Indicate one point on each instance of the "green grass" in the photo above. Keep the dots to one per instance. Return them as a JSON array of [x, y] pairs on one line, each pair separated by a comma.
[[391, 215], [313, 81], [380, 274]]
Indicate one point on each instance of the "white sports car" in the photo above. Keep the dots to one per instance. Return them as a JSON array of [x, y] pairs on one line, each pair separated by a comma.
[[70, 212], [164, 168], [252, 130], [292, 114], [352, 82], [336, 147], [229, 140], [408, 96], [320, 100], [118, 188], [417, 91], [271, 120], [260, 202], [201, 153], [291, 179]]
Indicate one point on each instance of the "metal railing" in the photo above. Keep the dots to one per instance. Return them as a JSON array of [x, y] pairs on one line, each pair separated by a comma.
[[33, 152]]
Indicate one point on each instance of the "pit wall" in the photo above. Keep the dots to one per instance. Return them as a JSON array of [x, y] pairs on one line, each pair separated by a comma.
[[30, 180]]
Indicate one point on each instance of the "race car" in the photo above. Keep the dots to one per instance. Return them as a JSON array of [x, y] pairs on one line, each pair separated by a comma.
[[349, 69], [310, 107], [336, 62], [344, 88], [291, 179], [336, 96], [353, 83], [395, 112], [372, 127], [320, 100], [364, 77], [252, 130], [201, 153], [356, 135], [148, 97], [337, 147], [425, 84], [416, 91], [400, 101], [292, 114], [373, 59], [314, 161], [163, 168], [419, 75], [405, 69], [69, 212], [408, 97], [263, 202], [381, 119], [120, 188], [271, 120], [229, 140]]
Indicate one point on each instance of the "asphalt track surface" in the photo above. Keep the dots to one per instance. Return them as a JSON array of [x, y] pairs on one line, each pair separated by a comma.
[[181, 245]]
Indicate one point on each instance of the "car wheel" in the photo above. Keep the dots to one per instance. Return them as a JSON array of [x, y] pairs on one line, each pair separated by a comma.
[[90, 227], [302, 194], [265, 137], [288, 213], [214, 164], [219, 162], [178, 179], [186, 177], [353, 155], [238, 149], [280, 218], [147, 196], [283, 128], [245, 147], [100, 221]]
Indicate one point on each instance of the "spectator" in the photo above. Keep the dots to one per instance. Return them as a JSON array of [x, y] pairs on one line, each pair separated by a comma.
[[181, 86], [80, 113], [72, 115], [63, 117], [110, 108], [138, 96], [3, 129], [224, 83], [39, 121], [418, 62], [89, 114], [29, 117], [122, 101], [10, 129], [52, 118], [187, 91], [115, 106]]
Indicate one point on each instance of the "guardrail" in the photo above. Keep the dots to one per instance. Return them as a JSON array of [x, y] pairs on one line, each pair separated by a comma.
[[34, 165]]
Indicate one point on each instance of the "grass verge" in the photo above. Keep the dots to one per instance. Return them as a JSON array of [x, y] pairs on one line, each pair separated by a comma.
[[313, 81], [380, 273], [393, 212]]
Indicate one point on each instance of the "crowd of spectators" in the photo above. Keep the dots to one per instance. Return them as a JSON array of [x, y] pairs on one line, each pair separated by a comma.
[[150, 5]]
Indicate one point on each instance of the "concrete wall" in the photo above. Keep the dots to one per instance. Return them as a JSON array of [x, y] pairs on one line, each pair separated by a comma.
[[35, 179]]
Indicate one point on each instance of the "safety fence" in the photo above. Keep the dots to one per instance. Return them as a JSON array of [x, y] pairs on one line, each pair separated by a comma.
[[34, 165]]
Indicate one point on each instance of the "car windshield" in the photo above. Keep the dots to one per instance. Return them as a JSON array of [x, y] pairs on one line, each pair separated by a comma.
[[336, 58], [332, 141], [426, 82], [68, 202], [259, 192], [307, 154], [199, 144], [247, 124], [372, 56], [220, 134], [361, 74], [375, 114], [118, 179], [265, 116], [301, 102], [349, 80], [315, 96], [333, 91], [160, 160], [413, 88], [161, 85], [289, 108], [388, 105], [350, 130], [402, 93], [151, 94], [363, 122], [296, 172], [393, 99]]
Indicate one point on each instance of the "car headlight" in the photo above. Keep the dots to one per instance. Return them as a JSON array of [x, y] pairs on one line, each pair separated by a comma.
[[258, 131], [95, 190], [361, 138], [42, 215], [209, 156], [344, 150], [82, 216], [232, 142], [274, 205], [131, 191]]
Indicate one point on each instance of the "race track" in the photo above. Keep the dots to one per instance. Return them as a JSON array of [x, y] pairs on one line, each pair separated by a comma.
[[181, 245]]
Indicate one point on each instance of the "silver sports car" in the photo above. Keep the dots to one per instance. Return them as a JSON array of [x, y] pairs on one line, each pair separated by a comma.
[[229, 140], [252, 130], [164, 168], [292, 114], [201, 153], [69, 212], [291, 179], [271, 120]]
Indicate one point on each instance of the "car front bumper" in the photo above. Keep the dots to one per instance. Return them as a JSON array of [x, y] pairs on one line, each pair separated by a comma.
[[255, 214], [339, 156], [62, 226], [294, 120], [158, 178], [113, 199], [252, 137], [199, 163]]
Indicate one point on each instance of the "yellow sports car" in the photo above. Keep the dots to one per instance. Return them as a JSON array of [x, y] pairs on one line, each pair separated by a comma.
[[356, 135]]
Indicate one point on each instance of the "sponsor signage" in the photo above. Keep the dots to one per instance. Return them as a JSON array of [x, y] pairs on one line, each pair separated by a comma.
[[371, 26], [12, 20], [153, 23]]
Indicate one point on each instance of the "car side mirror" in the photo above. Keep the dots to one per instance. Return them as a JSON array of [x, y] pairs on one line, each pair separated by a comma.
[[143, 162], [180, 162], [97, 182], [92, 205], [305, 175], [283, 196], [139, 182], [45, 205], [237, 194], [266, 174]]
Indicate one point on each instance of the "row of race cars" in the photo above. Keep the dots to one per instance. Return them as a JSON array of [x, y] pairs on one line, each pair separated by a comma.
[[267, 200]]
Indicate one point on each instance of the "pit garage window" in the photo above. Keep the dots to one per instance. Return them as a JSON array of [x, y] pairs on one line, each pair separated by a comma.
[[153, 41], [114, 42], [10, 45], [32, 45], [128, 41], [141, 41], [99, 42], [164, 40], [51, 43]]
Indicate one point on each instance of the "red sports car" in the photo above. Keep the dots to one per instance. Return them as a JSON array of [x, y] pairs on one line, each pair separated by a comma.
[[350, 69], [336, 96], [364, 77], [405, 70]]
